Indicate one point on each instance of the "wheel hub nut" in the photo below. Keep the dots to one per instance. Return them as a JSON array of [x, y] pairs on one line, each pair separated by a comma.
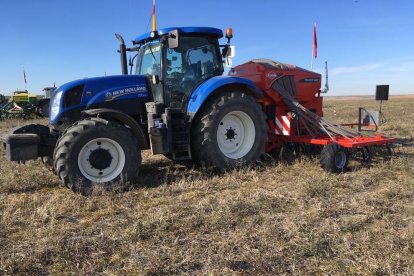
[[100, 159]]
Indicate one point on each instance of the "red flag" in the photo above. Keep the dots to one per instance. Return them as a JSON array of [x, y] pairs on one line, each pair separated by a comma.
[[315, 43], [24, 76]]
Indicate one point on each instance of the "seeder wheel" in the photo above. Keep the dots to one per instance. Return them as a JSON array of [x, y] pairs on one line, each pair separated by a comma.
[[334, 158]]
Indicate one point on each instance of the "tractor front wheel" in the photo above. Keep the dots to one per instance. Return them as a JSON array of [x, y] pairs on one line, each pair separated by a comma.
[[230, 131], [334, 158], [97, 153]]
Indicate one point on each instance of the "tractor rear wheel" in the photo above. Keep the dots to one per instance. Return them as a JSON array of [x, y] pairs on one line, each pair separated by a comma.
[[230, 131], [96, 153], [334, 158]]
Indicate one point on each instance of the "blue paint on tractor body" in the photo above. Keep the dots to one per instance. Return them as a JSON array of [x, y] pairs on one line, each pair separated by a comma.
[[205, 89], [97, 91]]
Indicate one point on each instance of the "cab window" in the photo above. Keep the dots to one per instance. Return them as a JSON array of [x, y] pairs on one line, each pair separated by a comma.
[[195, 60], [150, 60]]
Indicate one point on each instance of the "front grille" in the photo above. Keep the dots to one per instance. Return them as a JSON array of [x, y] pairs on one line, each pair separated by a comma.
[[73, 96]]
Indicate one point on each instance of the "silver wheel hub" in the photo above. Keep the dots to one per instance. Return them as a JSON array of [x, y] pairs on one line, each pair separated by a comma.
[[101, 160], [236, 134]]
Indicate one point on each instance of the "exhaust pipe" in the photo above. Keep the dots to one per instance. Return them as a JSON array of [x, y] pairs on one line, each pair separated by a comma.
[[122, 52]]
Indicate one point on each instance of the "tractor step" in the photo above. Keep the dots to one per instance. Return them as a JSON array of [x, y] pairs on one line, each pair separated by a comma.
[[180, 137]]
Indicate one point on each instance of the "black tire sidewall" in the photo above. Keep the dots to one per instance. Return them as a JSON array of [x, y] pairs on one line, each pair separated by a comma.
[[328, 155], [215, 157], [122, 136]]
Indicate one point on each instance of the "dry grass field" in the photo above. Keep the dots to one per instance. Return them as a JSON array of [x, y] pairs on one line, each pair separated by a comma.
[[269, 219]]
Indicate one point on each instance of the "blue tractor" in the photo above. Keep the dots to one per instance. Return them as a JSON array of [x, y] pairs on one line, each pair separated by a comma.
[[174, 101]]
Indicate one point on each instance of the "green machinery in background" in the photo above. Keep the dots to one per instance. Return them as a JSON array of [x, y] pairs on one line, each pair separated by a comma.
[[25, 105]]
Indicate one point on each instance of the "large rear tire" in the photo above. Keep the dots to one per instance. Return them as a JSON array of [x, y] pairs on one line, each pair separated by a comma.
[[97, 153], [229, 131]]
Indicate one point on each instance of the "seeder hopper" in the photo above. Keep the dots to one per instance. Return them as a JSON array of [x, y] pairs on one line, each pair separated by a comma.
[[293, 105]]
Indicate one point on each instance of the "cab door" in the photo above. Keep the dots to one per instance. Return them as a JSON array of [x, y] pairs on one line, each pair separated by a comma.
[[149, 65], [187, 66]]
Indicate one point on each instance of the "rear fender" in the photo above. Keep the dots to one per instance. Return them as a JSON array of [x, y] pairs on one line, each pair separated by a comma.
[[135, 127], [216, 85]]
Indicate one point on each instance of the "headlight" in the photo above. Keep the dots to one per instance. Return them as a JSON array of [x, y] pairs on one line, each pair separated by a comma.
[[54, 110]]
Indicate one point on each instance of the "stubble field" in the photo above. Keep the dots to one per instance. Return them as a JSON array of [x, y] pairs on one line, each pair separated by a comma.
[[271, 218]]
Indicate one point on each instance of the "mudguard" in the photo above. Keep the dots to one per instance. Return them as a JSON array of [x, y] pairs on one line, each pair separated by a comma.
[[136, 128], [212, 85]]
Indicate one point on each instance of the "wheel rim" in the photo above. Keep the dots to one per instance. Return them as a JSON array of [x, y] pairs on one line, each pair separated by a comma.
[[340, 159], [236, 134], [101, 160]]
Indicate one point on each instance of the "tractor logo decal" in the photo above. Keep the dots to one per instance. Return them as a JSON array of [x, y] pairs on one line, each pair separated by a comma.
[[140, 91], [272, 75]]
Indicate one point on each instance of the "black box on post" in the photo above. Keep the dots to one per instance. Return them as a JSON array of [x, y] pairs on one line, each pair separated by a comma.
[[382, 92]]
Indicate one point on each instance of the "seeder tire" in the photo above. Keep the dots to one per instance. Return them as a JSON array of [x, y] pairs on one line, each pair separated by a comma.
[[289, 153], [97, 153], [334, 158], [229, 131]]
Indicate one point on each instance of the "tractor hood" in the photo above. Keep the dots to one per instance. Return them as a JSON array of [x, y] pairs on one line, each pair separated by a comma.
[[90, 92]]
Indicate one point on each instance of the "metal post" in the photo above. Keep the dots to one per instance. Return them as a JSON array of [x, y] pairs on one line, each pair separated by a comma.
[[380, 113]]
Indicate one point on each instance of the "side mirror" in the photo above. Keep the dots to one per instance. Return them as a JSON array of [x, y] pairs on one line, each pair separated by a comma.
[[173, 39], [231, 51], [228, 55]]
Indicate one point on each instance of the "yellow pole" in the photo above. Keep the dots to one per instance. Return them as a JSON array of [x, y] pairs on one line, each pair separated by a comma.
[[154, 20]]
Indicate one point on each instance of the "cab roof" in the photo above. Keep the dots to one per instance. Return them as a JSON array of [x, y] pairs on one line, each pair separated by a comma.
[[182, 30]]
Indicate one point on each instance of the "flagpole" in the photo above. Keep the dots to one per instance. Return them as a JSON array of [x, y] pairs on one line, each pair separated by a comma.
[[313, 51], [312, 60], [24, 78], [315, 46]]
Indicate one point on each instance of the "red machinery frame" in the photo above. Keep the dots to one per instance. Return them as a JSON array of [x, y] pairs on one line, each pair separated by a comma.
[[304, 88]]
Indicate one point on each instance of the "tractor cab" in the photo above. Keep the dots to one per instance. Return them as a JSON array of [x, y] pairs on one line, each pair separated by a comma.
[[177, 60]]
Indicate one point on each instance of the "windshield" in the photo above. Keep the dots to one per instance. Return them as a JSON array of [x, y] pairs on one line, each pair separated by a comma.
[[150, 56]]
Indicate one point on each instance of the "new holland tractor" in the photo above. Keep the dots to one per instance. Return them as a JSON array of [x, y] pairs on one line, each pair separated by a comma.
[[176, 102]]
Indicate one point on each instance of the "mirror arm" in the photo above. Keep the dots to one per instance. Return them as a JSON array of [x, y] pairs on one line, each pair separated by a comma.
[[225, 49]]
